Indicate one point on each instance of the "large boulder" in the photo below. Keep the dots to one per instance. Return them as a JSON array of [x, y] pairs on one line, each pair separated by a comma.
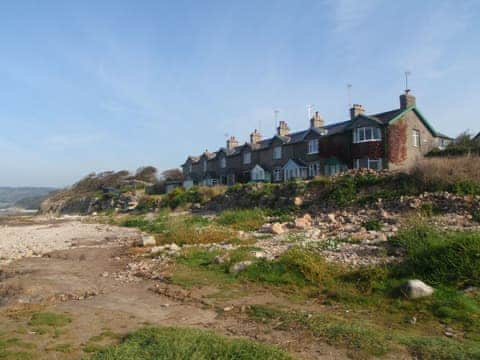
[[304, 222], [148, 240], [416, 289]]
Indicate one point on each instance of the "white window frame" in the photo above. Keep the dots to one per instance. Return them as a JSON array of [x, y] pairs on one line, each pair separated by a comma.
[[223, 162], [379, 161], [360, 134], [314, 169], [277, 152], [416, 137], [313, 146], [247, 158]]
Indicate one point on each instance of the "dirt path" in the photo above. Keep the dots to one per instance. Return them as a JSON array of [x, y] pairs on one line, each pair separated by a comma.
[[81, 281]]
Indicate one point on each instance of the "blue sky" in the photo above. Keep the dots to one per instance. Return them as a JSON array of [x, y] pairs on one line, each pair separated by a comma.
[[96, 85]]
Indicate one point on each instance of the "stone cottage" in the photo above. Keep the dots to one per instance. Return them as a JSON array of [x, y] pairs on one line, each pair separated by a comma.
[[394, 139]]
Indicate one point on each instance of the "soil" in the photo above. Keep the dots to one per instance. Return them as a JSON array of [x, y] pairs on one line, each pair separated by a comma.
[[80, 282]]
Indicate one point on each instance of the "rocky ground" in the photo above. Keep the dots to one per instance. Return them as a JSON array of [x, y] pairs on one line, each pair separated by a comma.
[[92, 273], [36, 236]]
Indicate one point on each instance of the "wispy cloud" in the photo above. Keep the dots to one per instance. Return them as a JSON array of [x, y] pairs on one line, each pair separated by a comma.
[[350, 14], [65, 140]]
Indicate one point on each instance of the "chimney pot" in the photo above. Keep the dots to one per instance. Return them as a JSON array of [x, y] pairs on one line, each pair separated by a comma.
[[232, 143], [255, 137], [407, 100], [356, 110], [283, 129], [316, 121]]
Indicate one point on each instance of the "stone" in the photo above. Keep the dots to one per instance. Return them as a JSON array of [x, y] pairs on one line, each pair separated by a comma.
[[304, 222], [416, 289], [331, 217], [240, 266], [174, 247], [298, 201], [277, 229], [148, 240]]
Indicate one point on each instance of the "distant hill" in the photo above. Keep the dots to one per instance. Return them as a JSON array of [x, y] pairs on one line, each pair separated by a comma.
[[24, 197]]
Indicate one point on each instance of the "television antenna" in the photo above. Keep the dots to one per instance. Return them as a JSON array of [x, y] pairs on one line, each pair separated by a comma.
[[407, 74], [275, 116], [349, 94], [309, 111]]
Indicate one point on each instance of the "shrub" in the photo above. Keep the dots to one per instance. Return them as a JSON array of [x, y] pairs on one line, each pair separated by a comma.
[[177, 343], [372, 225], [148, 203], [449, 258], [242, 219], [342, 192]]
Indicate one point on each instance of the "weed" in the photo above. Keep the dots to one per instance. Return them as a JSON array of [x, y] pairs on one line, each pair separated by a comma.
[[372, 225], [49, 319], [178, 343], [243, 219], [436, 348]]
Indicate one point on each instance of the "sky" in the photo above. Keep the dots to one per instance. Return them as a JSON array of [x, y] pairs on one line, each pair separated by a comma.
[[87, 86]]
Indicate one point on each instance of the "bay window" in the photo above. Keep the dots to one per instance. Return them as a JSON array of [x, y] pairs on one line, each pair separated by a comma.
[[364, 134]]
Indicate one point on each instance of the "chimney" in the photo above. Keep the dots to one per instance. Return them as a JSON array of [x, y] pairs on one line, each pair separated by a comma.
[[232, 143], [407, 100], [283, 129], [255, 137], [356, 110], [316, 121]]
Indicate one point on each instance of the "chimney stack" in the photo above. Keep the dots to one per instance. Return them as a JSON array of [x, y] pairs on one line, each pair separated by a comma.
[[283, 129], [232, 143], [407, 100], [255, 137], [316, 121], [356, 110]]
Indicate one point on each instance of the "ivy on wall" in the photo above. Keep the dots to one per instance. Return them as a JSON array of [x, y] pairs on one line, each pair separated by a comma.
[[397, 142]]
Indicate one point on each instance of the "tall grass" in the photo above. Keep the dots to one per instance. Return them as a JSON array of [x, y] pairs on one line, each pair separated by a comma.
[[460, 174]]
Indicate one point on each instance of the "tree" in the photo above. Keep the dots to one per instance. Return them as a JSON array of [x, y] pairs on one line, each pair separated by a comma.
[[172, 175], [147, 174]]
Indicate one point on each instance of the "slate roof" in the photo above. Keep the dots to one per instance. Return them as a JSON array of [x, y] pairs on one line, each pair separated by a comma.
[[332, 129], [477, 137]]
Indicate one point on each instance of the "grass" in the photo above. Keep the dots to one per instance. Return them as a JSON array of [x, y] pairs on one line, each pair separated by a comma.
[[440, 258], [360, 340], [242, 219], [372, 225], [179, 343], [49, 319], [436, 348]]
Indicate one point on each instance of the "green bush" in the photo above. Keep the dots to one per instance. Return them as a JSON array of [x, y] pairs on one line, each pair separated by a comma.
[[372, 225], [342, 192], [448, 258], [242, 219], [185, 344]]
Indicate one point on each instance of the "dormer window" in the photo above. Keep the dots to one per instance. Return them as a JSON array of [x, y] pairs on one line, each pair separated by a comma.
[[313, 146], [247, 158], [365, 134], [223, 162], [277, 152]]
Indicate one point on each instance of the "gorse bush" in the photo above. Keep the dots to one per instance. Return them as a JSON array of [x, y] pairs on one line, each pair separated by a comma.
[[449, 258]]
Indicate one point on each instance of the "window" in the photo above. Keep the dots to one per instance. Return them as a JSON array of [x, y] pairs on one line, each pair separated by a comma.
[[375, 164], [314, 169], [190, 168], [313, 146], [258, 174], [365, 134], [204, 165], [277, 152], [277, 174], [223, 162], [416, 138], [247, 158]]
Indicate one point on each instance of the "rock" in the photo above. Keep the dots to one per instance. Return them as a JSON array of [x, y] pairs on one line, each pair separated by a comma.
[[174, 247], [304, 222], [220, 259], [240, 266], [416, 289], [228, 308], [157, 249], [331, 218], [148, 240], [277, 229], [298, 201]]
